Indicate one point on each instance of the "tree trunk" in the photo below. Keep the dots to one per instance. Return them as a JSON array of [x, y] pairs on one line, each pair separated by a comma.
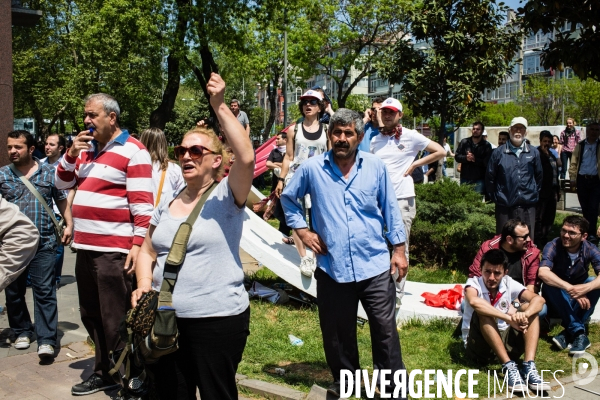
[[162, 114], [203, 76]]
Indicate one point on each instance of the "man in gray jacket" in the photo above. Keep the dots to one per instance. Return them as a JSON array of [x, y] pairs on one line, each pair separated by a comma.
[[18, 242]]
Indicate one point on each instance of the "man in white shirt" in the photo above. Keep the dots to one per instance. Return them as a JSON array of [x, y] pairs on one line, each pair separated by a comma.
[[397, 147], [501, 319]]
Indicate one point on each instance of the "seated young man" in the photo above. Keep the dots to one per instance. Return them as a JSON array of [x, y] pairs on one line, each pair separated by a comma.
[[568, 288], [523, 257], [501, 319]]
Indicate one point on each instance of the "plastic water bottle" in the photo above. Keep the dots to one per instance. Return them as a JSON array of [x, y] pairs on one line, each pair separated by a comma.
[[295, 341]]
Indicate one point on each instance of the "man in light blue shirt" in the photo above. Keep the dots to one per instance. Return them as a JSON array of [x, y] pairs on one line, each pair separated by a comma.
[[353, 201]]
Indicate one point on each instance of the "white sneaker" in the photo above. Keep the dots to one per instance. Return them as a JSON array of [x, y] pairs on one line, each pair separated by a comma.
[[22, 343], [306, 267], [313, 263], [45, 351]]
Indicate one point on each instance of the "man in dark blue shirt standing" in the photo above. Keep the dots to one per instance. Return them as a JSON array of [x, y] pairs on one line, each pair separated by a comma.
[[514, 178], [353, 200], [567, 288]]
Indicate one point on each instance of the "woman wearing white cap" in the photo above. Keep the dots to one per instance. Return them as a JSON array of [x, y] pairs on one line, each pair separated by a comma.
[[305, 140]]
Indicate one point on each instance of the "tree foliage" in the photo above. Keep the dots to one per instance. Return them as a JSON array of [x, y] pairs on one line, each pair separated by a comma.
[[79, 48], [462, 48], [343, 38], [576, 46]]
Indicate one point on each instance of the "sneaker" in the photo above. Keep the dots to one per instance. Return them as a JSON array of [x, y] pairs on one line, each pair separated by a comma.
[[561, 340], [22, 343], [533, 379], [580, 344], [514, 380], [306, 268], [93, 384], [313, 264], [45, 351]]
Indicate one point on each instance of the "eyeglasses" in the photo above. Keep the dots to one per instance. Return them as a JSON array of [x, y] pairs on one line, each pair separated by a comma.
[[570, 233], [196, 152], [524, 237], [312, 102]]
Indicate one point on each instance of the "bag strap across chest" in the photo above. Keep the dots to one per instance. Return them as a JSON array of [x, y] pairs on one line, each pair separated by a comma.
[[176, 255]]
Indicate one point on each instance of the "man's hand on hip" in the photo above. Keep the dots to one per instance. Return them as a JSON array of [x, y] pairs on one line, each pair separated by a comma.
[[312, 241]]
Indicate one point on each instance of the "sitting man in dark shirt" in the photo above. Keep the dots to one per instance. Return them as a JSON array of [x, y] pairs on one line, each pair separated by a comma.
[[568, 288], [523, 257]]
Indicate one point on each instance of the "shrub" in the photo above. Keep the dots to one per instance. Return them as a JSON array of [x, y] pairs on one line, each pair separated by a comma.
[[451, 223]]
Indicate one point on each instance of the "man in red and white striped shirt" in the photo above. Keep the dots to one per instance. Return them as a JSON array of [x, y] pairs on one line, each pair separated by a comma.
[[111, 212]]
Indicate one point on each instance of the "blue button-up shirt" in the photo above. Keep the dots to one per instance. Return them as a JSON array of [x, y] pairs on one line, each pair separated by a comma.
[[556, 257], [15, 191], [348, 214], [588, 164], [370, 133]]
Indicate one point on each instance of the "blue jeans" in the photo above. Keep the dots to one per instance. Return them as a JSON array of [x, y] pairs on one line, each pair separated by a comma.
[[479, 184], [565, 159], [45, 311], [573, 317]]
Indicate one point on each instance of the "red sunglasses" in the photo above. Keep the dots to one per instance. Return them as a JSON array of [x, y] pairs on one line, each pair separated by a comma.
[[195, 151]]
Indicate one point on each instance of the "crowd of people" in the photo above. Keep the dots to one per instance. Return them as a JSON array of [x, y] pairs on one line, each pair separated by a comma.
[[346, 192]]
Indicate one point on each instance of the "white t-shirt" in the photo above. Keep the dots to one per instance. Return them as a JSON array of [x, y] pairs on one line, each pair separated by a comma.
[[173, 179], [509, 290], [398, 155]]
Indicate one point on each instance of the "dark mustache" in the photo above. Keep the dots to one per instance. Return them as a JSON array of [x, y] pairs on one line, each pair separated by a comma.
[[342, 145]]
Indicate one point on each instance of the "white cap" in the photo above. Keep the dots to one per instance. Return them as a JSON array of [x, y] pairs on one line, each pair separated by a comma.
[[312, 93], [519, 120], [392, 104], [484, 133]]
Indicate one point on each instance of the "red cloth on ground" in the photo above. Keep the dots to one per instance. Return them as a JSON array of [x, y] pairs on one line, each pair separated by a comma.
[[448, 298]]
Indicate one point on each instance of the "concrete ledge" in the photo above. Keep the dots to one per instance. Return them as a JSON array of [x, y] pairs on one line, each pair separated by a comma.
[[270, 390], [319, 393]]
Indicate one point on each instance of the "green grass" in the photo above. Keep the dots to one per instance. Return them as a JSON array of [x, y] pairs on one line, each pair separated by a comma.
[[425, 345]]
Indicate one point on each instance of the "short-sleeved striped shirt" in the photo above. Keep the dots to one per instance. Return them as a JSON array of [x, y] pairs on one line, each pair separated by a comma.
[[15, 191]]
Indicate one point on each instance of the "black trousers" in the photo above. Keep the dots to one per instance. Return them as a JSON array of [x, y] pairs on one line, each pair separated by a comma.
[[338, 305], [588, 194], [525, 213], [104, 290], [210, 350], [545, 211]]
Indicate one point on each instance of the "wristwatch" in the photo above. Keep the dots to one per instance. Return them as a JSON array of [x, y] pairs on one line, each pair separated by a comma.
[[516, 304], [280, 179]]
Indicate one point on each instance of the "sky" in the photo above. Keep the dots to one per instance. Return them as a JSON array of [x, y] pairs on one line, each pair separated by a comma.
[[514, 4]]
